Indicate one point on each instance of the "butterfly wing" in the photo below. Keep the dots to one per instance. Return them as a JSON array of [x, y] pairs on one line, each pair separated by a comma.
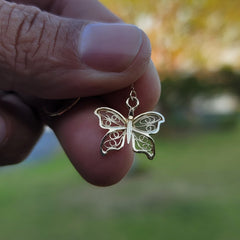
[[143, 125], [113, 140], [148, 122], [143, 143], [110, 118], [116, 123]]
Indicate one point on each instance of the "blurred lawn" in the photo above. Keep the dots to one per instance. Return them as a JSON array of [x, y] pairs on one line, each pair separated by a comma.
[[189, 191]]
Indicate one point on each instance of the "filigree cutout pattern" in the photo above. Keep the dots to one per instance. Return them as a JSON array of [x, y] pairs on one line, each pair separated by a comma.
[[135, 130], [113, 140], [110, 118], [143, 144]]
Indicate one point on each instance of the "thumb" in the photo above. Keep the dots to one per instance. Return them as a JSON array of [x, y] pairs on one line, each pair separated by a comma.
[[53, 57]]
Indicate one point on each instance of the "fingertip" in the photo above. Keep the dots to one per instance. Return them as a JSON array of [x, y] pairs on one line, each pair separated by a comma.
[[111, 168], [80, 135], [147, 87]]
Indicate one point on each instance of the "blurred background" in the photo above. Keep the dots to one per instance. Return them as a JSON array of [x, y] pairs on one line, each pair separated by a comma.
[[191, 189]]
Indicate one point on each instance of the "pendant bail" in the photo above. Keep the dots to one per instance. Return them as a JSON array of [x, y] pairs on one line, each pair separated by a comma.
[[132, 102]]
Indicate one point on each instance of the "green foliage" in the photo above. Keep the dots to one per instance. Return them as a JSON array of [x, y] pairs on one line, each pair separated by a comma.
[[230, 79], [180, 90], [190, 191]]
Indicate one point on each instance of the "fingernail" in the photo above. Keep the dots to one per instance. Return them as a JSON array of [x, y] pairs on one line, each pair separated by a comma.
[[109, 47], [3, 130]]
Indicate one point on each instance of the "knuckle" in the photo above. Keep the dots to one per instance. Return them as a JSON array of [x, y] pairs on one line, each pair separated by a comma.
[[35, 44], [15, 38], [26, 37]]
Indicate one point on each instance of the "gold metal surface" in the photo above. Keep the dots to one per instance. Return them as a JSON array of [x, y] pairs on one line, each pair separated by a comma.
[[135, 130]]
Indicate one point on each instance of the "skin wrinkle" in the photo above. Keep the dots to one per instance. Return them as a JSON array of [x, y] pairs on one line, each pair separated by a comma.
[[5, 51], [59, 26], [23, 34], [9, 17], [12, 15], [17, 41], [3, 31], [35, 16], [30, 24], [9, 60], [53, 44], [8, 11], [23, 56], [39, 39]]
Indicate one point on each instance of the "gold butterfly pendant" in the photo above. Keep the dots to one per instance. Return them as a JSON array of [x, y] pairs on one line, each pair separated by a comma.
[[135, 130]]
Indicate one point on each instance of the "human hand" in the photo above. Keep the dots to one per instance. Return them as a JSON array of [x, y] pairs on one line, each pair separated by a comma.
[[66, 49]]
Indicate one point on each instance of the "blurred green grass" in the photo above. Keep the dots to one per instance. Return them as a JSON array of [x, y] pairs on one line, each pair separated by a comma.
[[189, 191]]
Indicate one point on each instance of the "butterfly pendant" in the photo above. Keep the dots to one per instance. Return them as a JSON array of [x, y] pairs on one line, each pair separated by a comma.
[[135, 130]]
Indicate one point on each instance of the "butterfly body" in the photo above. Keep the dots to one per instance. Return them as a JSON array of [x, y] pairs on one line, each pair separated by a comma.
[[129, 129], [133, 130]]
